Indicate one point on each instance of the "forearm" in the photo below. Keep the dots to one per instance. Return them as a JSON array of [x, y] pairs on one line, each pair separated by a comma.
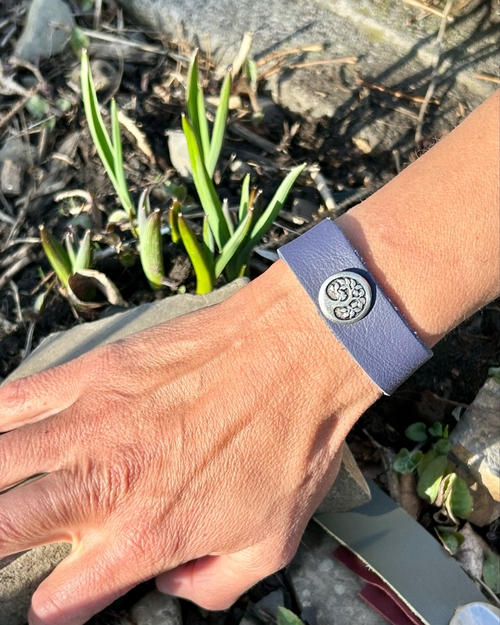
[[431, 236]]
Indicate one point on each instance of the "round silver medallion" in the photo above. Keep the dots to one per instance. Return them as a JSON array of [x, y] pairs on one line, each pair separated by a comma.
[[345, 297]]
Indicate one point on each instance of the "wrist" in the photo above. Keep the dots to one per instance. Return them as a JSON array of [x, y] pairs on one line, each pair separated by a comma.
[[279, 313]]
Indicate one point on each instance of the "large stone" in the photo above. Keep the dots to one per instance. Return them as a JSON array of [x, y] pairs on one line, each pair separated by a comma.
[[47, 30], [349, 490], [62, 347], [156, 609], [394, 48], [322, 582], [20, 577], [476, 441]]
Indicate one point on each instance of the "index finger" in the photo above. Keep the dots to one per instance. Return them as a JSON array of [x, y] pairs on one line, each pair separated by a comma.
[[39, 396]]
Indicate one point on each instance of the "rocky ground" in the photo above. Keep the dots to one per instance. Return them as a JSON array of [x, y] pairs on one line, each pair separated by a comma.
[[46, 150]]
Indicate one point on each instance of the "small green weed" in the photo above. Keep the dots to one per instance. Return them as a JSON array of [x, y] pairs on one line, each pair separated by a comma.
[[436, 483], [286, 617]]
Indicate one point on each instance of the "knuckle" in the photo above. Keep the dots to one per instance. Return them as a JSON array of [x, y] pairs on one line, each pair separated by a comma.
[[108, 358], [108, 484]]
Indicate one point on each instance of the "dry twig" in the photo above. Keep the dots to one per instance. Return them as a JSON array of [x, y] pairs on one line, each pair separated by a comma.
[[14, 269], [396, 93], [282, 53], [487, 78], [323, 189], [434, 74], [429, 9], [348, 60]]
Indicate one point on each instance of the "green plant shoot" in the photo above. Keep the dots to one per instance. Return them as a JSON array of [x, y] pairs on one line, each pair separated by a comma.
[[108, 148], [66, 262], [150, 243]]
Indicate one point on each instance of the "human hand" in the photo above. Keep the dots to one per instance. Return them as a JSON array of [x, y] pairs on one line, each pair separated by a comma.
[[195, 451]]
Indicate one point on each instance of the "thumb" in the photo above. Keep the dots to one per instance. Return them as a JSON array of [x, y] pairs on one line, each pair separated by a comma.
[[80, 586], [216, 582]]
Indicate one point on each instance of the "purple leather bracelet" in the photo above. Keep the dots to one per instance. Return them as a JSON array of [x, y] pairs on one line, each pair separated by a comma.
[[354, 306]]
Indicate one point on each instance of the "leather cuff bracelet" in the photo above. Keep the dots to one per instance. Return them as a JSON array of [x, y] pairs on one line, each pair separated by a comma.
[[354, 306]]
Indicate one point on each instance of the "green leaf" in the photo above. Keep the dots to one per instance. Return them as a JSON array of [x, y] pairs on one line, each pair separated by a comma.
[[244, 197], [151, 251], [286, 617], [172, 217], [57, 256], [37, 106], [426, 460], [83, 259], [202, 266], [122, 189], [436, 429], [407, 461], [219, 128], [93, 115], [252, 72], [117, 216], [208, 237], [176, 191], [451, 540], [458, 499], [68, 244], [78, 40], [194, 100], [206, 190], [442, 446], [275, 205], [144, 208], [494, 372], [204, 136], [417, 432], [430, 479], [233, 245], [491, 572], [227, 216], [109, 151], [266, 219]]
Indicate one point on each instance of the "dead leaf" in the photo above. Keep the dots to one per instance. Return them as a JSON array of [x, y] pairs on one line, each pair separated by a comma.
[[83, 281]]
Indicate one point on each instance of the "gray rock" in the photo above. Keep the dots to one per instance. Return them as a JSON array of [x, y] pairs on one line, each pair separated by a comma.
[[19, 579], [62, 347], [349, 489], [475, 440], [392, 49], [324, 583], [268, 606], [14, 159], [47, 30], [156, 609]]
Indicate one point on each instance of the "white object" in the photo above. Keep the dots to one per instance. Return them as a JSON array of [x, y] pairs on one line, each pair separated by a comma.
[[476, 613]]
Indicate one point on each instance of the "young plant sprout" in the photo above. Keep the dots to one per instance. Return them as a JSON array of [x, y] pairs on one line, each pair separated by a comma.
[[227, 241]]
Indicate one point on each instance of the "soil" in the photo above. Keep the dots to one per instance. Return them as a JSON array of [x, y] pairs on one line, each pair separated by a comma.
[[147, 90]]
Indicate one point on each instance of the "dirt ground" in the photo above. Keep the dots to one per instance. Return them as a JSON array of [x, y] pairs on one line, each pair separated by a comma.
[[59, 156]]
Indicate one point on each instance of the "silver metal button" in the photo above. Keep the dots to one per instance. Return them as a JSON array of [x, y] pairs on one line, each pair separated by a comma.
[[345, 297]]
